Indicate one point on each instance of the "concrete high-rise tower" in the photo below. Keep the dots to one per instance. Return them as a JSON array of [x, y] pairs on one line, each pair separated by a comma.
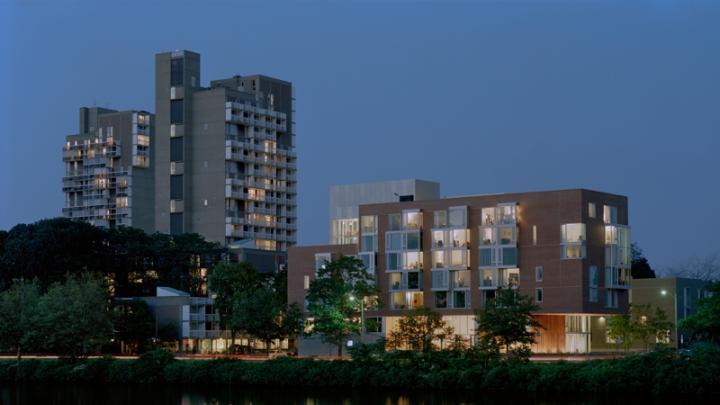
[[225, 165], [109, 169]]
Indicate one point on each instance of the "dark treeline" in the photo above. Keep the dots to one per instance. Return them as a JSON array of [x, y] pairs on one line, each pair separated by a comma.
[[132, 261]]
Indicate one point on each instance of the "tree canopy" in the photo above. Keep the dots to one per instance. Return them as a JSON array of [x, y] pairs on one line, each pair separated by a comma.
[[134, 262], [335, 299], [506, 321], [640, 267], [704, 324]]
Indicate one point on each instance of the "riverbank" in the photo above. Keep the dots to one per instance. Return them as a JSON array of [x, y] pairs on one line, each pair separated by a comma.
[[660, 372]]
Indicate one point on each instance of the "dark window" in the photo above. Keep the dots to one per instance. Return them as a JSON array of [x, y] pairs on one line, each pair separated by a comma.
[[176, 111], [176, 223], [176, 187], [404, 198], [176, 72], [176, 149]]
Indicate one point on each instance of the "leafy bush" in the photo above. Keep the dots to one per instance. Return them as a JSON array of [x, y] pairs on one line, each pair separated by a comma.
[[696, 371]]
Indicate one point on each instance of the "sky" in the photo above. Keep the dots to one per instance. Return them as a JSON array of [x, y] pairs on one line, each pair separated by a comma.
[[481, 96]]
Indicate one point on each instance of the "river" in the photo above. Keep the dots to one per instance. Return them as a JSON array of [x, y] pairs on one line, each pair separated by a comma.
[[111, 394]]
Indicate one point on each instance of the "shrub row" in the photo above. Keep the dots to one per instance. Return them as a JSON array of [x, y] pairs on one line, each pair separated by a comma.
[[660, 372]]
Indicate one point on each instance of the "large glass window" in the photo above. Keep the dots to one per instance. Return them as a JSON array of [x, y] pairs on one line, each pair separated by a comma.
[[393, 241], [439, 259], [368, 223], [487, 235], [573, 251], [394, 222], [460, 299], [507, 235], [439, 239], [488, 278], [368, 243], [461, 279], [393, 261], [509, 256], [458, 258], [440, 219], [412, 219], [412, 260], [573, 233], [459, 237], [439, 279], [414, 280], [609, 214], [486, 257], [507, 214], [457, 217], [396, 281], [176, 111], [593, 282], [488, 216], [610, 235], [412, 241], [441, 299]]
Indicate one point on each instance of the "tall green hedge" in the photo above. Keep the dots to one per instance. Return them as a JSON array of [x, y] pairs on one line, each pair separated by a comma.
[[660, 372]]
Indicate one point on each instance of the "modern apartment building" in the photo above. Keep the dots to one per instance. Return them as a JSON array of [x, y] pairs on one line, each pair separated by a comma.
[[568, 249], [109, 169], [225, 161], [345, 200]]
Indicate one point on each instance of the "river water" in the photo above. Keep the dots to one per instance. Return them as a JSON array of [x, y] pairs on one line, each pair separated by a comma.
[[88, 394]]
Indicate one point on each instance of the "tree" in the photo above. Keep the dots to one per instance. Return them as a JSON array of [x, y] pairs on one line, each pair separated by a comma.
[[264, 314], [74, 316], [649, 326], [641, 324], [640, 267], [507, 321], [419, 328], [133, 323], [704, 324], [335, 298], [18, 316], [620, 329], [705, 268], [231, 282]]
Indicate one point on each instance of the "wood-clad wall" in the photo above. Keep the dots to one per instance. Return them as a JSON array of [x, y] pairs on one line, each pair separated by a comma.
[[552, 337]]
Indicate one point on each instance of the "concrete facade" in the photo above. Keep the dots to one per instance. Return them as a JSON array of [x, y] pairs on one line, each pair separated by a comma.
[[109, 169], [226, 166], [569, 249], [345, 200]]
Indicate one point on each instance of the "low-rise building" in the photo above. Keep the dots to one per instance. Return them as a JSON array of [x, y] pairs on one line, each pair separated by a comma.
[[678, 297]]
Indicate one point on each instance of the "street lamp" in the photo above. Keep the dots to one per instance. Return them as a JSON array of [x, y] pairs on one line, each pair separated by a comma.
[[362, 317]]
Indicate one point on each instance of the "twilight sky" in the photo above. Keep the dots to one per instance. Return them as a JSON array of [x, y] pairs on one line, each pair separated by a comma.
[[482, 96]]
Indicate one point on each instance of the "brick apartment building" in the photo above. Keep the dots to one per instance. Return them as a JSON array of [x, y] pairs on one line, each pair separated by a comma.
[[568, 249]]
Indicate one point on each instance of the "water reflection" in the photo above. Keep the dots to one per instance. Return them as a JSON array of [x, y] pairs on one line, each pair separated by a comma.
[[92, 394]]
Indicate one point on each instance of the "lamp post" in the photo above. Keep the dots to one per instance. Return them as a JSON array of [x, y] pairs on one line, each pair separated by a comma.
[[362, 317]]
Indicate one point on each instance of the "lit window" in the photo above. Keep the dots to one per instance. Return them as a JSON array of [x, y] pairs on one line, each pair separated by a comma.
[[610, 214], [534, 235], [573, 233], [306, 282], [412, 219], [591, 210], [368, 223]]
